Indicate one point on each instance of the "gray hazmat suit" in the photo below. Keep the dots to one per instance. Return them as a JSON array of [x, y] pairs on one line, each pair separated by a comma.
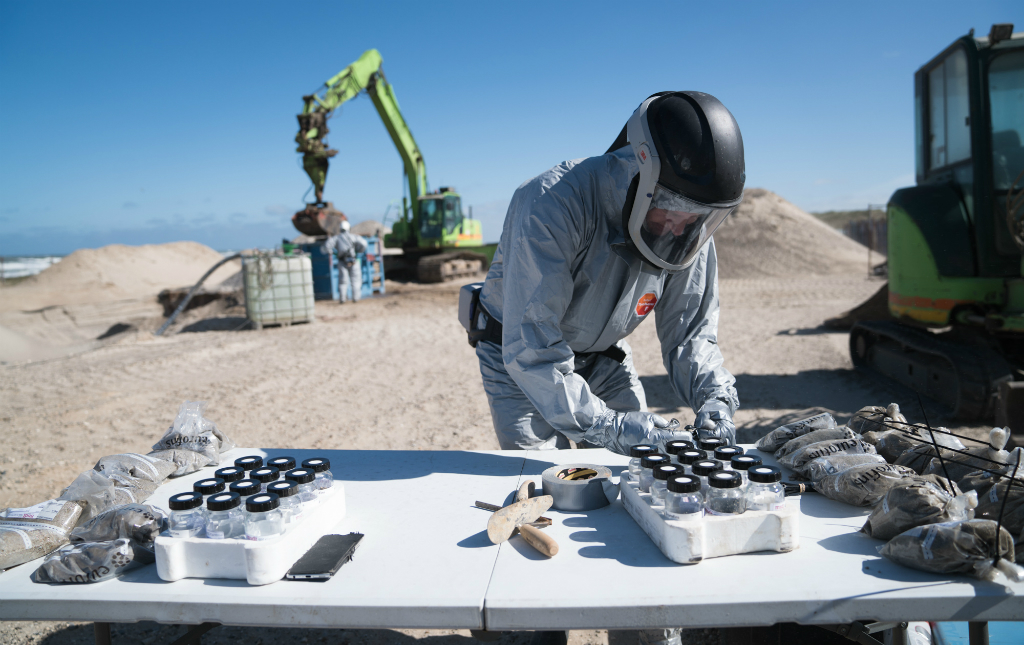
[[350, 270], [565, 281]]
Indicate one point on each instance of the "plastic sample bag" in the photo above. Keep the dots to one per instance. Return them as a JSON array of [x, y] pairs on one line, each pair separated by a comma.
[[185, 461], [990, 502], [779, 436], [953, 547], [873, 419], [797, 461], [28, 533], [833, 464], [93, 492], [917, 501], [135, 466], [920, 458], [192, 431], [137, 523], [86, 562], [791, 446], [862, 485]]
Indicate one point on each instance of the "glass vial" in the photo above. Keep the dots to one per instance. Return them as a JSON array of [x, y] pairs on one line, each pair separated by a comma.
[[743, 463], [207, 487], [250, 462], [725, 495], [283, 464], [245, 487], [288, 497], [263, 518], [636, 453], [224, 516], [686, 458], [647, 464], [710, 444], [304, 477], [725, 454], [662, 474], [682, 498], [186, 518], [765, 491], [265, 475], [230, 474], [322, 467], [702, 470]]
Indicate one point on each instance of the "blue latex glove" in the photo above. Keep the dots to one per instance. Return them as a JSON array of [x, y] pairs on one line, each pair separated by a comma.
[[715, 420]]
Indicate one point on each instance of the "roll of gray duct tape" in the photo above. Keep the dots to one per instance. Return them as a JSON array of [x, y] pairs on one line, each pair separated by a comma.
[[579, 495]]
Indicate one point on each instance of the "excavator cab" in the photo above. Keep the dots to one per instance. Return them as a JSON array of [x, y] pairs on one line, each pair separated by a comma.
[[440, 216]]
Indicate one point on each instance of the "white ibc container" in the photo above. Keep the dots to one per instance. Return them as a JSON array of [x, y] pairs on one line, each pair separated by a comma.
[[278, 289]]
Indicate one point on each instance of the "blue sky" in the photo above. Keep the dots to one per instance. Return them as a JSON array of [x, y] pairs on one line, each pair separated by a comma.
[[153, 122]]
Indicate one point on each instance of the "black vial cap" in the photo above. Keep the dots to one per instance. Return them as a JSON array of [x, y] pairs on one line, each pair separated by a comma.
[[317, 464], [726, 453], [678, 445], [300, 475], [656, 459], [282, 463], [262, 503], [642, 449], [245, 487], [684, 484], [706, 467], [689, 456], [709, 444], [764, 474], [185, 501], [265, 475], [283, 488], [745, 462], [209, 486], [664, 471], [725, 479], [223, 501], [230, 474], [250, 462]]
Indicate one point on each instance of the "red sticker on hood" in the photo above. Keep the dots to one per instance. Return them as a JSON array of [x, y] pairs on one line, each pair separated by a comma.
[[646, 304]]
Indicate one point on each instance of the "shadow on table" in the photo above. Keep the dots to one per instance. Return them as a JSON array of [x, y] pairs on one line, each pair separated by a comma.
[[817, 505], [389, 465], [613, 535]]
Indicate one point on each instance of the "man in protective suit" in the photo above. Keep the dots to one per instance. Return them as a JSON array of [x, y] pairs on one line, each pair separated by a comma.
[[589, 249], [348, 246]]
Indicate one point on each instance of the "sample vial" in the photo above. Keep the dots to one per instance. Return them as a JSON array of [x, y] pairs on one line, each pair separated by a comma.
[[224, 516], [676, 446], [245, 487], [186, 518], [288, 496], [647, 463], [743, 463], [686, 458], [250, 462], [636, 453], [701, 470], [709, 444], [725, 454], [264, 475], [725, 496], [682, 498], [284, 464], [765, 491], [230, 474], [263, 519], [662, 474], [207, 487], [304, 477], [322, 467]]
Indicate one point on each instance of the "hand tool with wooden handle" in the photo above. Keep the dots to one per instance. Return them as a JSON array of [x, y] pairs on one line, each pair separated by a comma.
[[540, 523], [504, 523]]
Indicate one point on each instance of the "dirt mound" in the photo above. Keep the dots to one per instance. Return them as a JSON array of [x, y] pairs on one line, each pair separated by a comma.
[[371, 228], [116, 272], [768, 236]]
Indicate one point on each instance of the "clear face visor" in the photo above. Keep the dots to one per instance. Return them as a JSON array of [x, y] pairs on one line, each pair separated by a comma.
[[675, 227]]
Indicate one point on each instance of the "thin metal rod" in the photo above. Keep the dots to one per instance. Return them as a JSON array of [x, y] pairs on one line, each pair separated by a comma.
[[192, 292], [942, 462], [1002, 507]]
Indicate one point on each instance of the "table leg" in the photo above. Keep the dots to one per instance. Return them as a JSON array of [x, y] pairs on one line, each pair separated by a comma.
[[978, 633], [194, 633], [101, 631]]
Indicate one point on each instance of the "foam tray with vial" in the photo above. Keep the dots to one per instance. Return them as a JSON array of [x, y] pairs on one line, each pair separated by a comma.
[[711, 536], [258, 562]]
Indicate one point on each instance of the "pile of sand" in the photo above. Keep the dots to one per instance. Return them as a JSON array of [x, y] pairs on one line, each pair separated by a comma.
[[768, 236], [116, 272]]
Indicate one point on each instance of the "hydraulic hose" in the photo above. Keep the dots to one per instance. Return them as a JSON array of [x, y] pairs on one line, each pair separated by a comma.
[[192, 291]]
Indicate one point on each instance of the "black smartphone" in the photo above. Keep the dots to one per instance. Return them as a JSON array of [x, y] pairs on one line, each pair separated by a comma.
[[325, 558]]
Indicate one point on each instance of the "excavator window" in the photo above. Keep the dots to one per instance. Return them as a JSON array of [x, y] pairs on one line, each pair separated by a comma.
[[431, 219], [1006, 97], [949, 111], [451, 214]]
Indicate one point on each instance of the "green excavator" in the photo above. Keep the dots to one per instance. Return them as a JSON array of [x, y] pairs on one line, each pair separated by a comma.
[[432, 233], [955, 324]]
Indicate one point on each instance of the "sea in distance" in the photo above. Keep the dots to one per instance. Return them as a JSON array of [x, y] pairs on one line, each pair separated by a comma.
[[25, 265]]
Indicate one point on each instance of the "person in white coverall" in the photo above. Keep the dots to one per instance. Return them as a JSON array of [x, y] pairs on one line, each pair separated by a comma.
[[348, 246], [589, 250]]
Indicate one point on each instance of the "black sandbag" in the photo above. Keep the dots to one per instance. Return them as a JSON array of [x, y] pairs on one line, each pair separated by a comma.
[[951, 547], [791, 446], [916, 501], [138, 523], [861, 485], [779, 436]]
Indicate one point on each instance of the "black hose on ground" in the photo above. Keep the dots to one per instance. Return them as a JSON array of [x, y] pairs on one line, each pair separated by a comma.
[[192, 292]]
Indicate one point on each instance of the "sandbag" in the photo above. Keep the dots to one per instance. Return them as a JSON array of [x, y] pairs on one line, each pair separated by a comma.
[[873, 419], [93, 492], [138, 523], [791, 446], [893, 443], [861, 485], [192, 431], [991, 501], [833, 464], [28, 533], [86, 562], [136, 466], [952, 547], [919, 458], [916, 501], [185, 461], [796, 461], [779, 436]]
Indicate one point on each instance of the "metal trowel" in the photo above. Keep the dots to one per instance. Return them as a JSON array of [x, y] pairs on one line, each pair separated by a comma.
[[518, 516]]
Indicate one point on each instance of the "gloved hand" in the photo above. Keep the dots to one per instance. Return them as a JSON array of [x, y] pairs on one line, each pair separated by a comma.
[[715, 420], [617, 431]]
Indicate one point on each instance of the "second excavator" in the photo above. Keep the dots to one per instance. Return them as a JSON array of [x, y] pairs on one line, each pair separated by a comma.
[[433, 233]]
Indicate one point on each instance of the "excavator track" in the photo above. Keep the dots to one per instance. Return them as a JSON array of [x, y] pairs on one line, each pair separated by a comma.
[[963, 378], [449, 266]]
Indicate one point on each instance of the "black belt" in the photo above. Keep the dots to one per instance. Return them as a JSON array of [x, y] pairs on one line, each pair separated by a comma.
[[492, 334]]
